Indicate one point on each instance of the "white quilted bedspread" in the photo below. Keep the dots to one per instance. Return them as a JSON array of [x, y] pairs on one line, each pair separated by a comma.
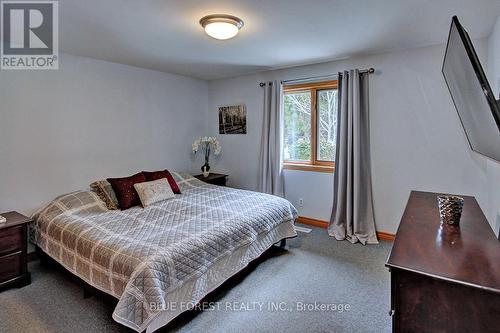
[[142, 256]]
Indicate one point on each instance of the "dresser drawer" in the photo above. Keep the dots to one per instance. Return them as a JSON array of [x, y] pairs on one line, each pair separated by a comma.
[[11, 240], [11, 266]]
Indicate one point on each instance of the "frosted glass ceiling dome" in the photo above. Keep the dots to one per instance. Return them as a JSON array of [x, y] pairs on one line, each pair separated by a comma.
[[221, 26]]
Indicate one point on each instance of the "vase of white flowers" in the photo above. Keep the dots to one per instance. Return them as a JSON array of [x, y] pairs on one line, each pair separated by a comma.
[[207, 144]]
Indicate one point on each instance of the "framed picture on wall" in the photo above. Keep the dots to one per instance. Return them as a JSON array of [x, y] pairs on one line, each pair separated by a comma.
[[233, 119]]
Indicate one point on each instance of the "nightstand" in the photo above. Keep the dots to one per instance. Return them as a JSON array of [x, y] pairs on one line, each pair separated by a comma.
[[13, 251], [214, 179]]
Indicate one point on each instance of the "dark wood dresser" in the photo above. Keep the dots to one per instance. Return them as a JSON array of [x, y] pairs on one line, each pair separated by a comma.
[[214, 179], [13, 251], [444, 279]]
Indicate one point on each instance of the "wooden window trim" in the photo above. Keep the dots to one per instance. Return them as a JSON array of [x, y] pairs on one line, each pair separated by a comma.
[[332, 84], [315, 164], [308, 167]]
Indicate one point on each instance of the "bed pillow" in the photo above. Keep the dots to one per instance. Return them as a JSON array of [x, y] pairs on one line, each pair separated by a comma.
[[154, 191], [105, 192], [150, 176], [124, 189]]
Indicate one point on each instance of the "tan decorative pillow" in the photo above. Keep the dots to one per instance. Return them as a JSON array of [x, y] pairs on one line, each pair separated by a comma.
[[154, 191], [106, 193]]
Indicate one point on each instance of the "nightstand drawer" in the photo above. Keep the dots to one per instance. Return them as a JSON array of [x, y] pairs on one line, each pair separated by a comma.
[[11, 266], [219, 181], [214, 179], [11, 240]]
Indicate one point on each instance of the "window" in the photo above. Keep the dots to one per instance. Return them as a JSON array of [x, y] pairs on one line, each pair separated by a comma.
[[310, 130]]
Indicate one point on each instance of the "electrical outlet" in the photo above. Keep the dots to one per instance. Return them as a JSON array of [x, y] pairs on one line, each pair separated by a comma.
[[301, 202]]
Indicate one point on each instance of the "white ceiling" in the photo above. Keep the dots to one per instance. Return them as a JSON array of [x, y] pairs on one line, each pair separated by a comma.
[[165, 35]]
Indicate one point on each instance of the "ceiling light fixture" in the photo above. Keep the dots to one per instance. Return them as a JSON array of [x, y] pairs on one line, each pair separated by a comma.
[[221, 26]]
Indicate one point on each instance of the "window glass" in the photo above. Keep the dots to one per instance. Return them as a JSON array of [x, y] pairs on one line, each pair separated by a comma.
[[297, 131], [327, 124]]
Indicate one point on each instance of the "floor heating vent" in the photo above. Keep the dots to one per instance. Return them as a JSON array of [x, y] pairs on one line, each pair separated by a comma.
[[302, 229]]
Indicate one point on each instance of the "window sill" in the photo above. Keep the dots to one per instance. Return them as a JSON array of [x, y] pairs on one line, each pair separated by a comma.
[[308, 167]]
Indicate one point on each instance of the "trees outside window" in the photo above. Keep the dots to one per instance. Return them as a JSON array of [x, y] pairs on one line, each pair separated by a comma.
[[310, 131]]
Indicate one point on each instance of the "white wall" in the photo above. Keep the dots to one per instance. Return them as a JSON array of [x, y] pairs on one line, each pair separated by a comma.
[[314, 188], [493, 169], [493, 67], [60, 130], [417, 141]]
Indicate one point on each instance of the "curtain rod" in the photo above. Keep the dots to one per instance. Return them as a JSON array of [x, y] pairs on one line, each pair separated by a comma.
[[369, 71]]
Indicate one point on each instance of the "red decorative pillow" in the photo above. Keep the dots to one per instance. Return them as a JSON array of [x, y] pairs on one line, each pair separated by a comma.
[[124, 189], [155, 175]]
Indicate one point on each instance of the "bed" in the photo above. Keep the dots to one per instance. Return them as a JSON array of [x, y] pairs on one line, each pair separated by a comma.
[[161, 260]]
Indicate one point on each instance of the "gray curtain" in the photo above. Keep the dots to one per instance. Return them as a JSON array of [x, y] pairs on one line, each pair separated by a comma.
[[270, 171], [352, 214]]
